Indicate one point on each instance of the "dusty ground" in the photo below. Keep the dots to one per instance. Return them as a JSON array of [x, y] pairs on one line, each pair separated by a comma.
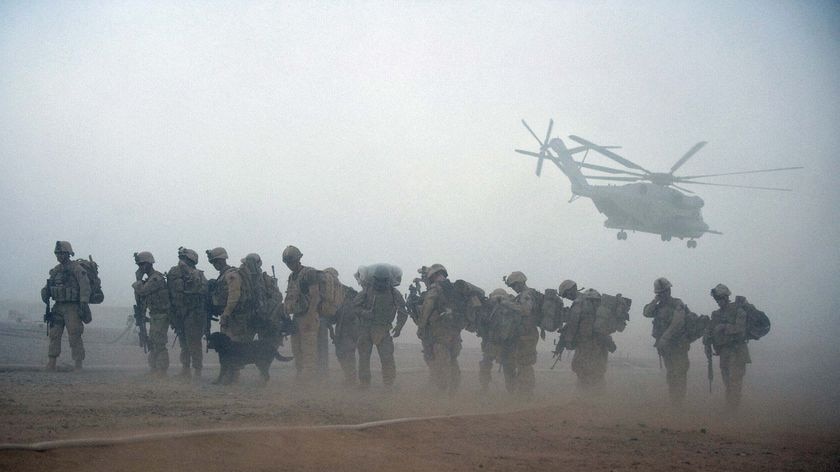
[[629, 427]]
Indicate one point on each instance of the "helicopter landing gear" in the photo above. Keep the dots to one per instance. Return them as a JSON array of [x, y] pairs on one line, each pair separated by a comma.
[[691, 244], [621, 236], [665, 237]]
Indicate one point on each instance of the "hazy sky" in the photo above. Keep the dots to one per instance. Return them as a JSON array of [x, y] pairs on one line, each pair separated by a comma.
[[384, 131]]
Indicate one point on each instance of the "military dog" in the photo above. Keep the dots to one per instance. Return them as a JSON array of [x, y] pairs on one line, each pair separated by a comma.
[[234, 355]]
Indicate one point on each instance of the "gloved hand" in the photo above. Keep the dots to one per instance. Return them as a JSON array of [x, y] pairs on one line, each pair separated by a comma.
[[84, 313]]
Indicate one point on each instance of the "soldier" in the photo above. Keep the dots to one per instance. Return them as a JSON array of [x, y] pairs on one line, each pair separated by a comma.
[[439, 321], [187, 292], [230, 297], [414, 304], [376, 306], [589, 362], [267, 317], [525, 350], [69, 286], [302, 302], [346, 331], [669, 319], [499, 331], [152, 294], [727, 334]]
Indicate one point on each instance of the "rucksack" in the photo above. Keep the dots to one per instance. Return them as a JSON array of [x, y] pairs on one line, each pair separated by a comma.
[[331, 292], [247, 299], [551, 311], [366, 273], [758, 324], [612, 314], [504, 323], [695, 325], [92, 270]]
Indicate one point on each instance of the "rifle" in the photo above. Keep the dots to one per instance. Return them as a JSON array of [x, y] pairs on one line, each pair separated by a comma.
[[414, 300], [709, 367], [559, 345], [48, 316], [140, 321]]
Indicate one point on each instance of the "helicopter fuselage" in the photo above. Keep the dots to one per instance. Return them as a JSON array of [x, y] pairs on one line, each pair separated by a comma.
[[648, 208]]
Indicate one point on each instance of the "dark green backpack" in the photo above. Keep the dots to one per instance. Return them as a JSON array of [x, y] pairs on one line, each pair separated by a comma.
[[758, 324], [695, 325]]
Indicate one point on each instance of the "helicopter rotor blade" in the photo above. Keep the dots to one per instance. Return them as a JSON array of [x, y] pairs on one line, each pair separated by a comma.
[[548, 133], [607, 169], [606, 152], [687, 155], [686, 182], [683, 178], [620, 179], [680, 188], [532, 133]]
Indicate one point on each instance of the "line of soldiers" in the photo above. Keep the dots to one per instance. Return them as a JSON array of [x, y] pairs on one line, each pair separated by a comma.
[[249, 303]]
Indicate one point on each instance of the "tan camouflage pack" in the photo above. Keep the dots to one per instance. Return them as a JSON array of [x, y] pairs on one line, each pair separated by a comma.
[[551, 311], [612, 314], [332, 293]]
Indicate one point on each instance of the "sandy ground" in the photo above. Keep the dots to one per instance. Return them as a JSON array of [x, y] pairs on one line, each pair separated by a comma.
[[627, 427]]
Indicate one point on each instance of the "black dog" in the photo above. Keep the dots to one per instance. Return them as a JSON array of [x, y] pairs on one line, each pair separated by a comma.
[[234, 355]]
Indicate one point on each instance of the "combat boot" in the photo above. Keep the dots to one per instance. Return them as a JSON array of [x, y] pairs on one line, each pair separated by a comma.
[[78, 365], [51, 364]]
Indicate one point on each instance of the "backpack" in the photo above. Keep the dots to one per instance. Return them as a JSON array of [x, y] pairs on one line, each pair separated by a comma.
[[366, 273], [612, 314], [247, 298], [92, 270], [758, 324], [504, 323], [551, 311], [331, 292], [695, 325]]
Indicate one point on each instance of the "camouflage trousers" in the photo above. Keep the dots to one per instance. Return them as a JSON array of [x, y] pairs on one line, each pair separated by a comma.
[[445, 347], [305, 346], [324, 348], [733, 367], [524, 358], [67, 315], [379, 336], [158, 330], [192, 352], [503, 354], [676, 370], [589, 363], [345, 351]]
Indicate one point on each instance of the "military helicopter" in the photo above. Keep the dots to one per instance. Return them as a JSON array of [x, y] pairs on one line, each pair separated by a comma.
[[653, 203]]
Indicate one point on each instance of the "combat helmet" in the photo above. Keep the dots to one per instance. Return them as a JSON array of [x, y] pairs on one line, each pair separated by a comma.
[[720, 291], [661, 285], [434, 269], [216, 253], [252, 258], [63, 246], [332, 271], [144, 256], [291, 254], [499, 293], [188, 254], [514, 277], [566, 286]]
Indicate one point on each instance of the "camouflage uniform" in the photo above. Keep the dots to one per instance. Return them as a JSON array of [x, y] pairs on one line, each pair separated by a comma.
[[346, 336], [187, 291], [669, 318], [153, 294], [227, 297], [494, 349], [525, 347], [267, 314], [300, 304], [69, 286], [440, 326], [376, 308], [589, 362], [727, 333]]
